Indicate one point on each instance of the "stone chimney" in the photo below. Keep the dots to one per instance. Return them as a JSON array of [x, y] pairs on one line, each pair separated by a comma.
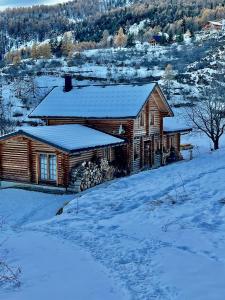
[[68, 83]]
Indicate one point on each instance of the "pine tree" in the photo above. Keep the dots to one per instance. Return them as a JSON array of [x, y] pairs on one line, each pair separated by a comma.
[[45, 50], [34, 52], [16, 58], [130, 41], [120, 39]]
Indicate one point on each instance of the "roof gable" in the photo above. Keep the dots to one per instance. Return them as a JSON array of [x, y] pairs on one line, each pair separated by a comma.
[[112, 101]]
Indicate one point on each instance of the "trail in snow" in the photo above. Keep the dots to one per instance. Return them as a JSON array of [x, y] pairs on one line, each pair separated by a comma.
[[160, 234], [134, 223]]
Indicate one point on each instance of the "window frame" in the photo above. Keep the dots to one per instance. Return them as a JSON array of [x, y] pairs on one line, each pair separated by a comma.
[[142, 119], [48, 164], [151, 119], [107, 153], [136, 150]]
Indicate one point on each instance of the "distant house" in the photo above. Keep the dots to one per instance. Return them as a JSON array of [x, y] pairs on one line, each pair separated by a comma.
[[92, 134], [214, 25], [155, 40]]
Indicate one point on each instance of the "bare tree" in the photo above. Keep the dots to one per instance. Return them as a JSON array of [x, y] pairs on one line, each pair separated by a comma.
[[208, 115], [8, 274], [167, 78]]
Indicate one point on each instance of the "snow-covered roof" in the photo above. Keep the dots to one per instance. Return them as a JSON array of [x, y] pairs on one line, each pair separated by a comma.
[[69, 138], [175, 124], [112, 101], [216, 23]]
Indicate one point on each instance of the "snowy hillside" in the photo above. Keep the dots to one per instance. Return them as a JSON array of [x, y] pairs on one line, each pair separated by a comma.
[[155, 235]]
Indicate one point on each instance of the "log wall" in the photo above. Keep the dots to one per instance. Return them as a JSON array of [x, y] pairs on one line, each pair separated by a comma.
[[20, 160], [14, 160]]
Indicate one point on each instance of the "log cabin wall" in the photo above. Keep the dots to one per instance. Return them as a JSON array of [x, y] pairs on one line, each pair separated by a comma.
[[65, 121], [137, 154], [14, 160], [155, 126], [172, 139], [152, 118], [75, 159], [140, 123], [36, 149], [20, 160], [147, 129], [110, 126]]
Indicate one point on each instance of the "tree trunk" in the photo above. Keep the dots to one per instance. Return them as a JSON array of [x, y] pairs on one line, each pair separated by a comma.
[[216, 144]]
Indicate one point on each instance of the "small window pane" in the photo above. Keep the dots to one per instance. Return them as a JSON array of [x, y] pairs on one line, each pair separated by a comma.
[[142, 119], [52, 167], [44, 166], [152, 119], [107, 153]]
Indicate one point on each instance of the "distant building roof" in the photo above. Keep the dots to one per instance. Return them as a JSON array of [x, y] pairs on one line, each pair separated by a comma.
[[69, 138], [172, 125], [112, 101], [215, 23], [157, 38]]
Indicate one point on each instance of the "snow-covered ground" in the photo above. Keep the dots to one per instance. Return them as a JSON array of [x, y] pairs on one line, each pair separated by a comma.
[[52, 268], [159, 234]]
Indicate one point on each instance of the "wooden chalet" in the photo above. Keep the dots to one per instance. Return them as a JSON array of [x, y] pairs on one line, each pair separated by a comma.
[[214, 25], [129, 126]]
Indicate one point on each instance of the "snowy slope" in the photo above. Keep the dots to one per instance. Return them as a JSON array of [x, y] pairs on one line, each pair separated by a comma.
[[160, 234], [154, 240], [52, 268]]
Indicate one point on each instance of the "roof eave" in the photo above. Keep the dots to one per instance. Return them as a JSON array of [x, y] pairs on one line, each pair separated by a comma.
[[170, 111], [24, 133], [97, 147], [85, 118], [187, 130]]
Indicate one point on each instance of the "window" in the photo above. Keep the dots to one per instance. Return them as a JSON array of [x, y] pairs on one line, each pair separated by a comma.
[[52, 167], [171, 142], [48, 167], [142, 119], [152, 118], [136, 150], [107, 153], [44, 166]]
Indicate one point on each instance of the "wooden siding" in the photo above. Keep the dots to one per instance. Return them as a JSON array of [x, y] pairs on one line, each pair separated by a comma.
[[148, 129], [137, 155], [76, 159], [153, 109], [171, 140], [65, 121], [138, 129], [110, 126], [14, 160], [20, 160]]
